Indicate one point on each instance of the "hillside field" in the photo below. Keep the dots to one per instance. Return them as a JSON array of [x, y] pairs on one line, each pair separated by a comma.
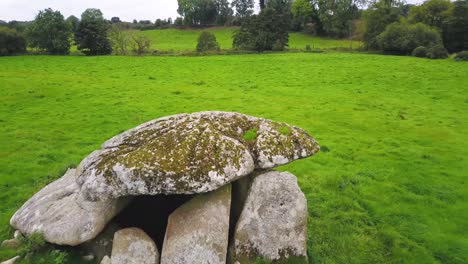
[[186, 40], [389, 186]]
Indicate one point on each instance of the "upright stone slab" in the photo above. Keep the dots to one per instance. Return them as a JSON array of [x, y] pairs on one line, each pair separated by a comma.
[[198, 231], [273, 222], [61, 213], [134, 246]]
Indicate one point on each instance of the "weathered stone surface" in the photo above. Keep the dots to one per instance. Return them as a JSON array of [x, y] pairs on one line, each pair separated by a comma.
[[17, 234], [273, 222], [106, 260], [190, 153], [197, 232], [101, 245], [12, 261], [11, 243], [63, 215], [133, 246]]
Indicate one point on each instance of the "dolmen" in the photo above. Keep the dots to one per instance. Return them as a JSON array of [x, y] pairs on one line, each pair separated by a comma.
[[239, 211]]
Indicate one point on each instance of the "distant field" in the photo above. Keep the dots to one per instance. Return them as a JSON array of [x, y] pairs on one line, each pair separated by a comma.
[[390, 185], [186, 40]]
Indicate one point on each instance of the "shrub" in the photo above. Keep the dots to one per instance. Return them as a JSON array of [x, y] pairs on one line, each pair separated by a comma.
[[403, 38], [206, 42], [11, 42], [462, 56], [141, 44], [419, 52], [308, 48], [32, 245], [437, 52]]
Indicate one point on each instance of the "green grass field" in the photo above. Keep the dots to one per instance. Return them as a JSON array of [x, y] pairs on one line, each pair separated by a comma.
[[390, 185], [186, 40]]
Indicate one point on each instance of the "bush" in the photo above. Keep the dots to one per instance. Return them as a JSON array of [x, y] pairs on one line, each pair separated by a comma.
[[403, 38], [32, 245], [419, 52], [141, 44], [207, 42], [437, 52], [462, 56], [265, 31], [11, 42]]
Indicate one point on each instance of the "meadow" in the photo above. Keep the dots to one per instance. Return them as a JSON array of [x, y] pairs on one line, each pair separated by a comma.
[[389, 186], [178, 40]]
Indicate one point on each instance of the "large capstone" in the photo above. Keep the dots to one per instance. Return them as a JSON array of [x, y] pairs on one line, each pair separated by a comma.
[[63, 215], [273, 224], [198, 231], [190, 153]]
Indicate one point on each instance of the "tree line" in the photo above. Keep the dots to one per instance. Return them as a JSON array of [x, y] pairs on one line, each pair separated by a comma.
[[389, 26]]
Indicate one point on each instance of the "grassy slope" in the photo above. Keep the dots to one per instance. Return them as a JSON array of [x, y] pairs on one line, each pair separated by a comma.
[[186, 40], [391, 189]]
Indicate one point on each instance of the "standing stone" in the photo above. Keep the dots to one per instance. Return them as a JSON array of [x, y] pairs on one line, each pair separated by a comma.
[[12, 261], [106, 260], [273, 222], [134, 246], [62, 215], [11, 244], [198, 231]]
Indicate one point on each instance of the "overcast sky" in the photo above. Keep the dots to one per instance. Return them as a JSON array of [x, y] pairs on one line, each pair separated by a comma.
[[127, 10]]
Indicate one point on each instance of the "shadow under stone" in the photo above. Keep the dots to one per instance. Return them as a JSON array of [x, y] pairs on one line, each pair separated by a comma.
[[150, 213]]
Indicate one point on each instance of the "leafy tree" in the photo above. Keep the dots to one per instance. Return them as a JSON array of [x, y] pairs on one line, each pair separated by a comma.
[[120, 40], [11, 42], [224, 12], [302, 11], [91, 34], [455, 28], [73, 22], [115, 20], [265, 31], [179, 22], [207, 42], [376, 18], [140, 44], [337, 16], [432, 12], [197, 12], [403, 38], [50, 32], [244, 8]]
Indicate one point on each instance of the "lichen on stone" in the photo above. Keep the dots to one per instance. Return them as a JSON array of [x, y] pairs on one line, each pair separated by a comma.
[[190, 153]]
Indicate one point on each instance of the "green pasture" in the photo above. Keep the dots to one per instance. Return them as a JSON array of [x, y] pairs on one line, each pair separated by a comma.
[[178, 40], [389, 186]]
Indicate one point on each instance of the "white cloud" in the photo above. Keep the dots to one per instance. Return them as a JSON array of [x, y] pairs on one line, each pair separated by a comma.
[[126, 10]]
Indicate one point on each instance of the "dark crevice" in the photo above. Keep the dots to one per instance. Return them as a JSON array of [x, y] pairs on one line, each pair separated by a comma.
[[150, 213]]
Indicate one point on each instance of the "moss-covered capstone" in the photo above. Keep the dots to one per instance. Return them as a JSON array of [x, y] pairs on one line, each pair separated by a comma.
[[190, 153]]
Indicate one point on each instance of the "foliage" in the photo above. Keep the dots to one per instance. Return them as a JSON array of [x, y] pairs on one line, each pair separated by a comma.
[[120, 40], [73, 22], [197, 12], [437, 52], [336, 16], [376, 18], [266, 31], [141, 44], [395, 195], [433, 13], [207, 42], [32, 245], [461, 56], [243, 8], [91, 34], [455, 28], [224, 12], [302, 12], [11, 42], [50, 32], [420, 52], [403, 38]]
